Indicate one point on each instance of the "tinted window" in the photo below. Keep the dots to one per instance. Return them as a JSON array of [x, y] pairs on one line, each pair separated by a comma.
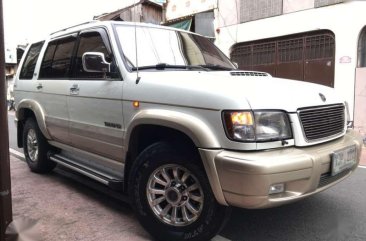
[[46, 67], [30, 61], [56, 63], [92, 42]]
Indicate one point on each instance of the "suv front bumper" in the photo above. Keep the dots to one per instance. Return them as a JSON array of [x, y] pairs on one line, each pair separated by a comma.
[[243, 179]]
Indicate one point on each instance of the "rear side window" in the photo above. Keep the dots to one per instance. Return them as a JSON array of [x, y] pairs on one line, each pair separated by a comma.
[[56, 62], [30, 61]]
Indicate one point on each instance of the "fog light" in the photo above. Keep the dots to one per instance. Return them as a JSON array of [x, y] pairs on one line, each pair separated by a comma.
[[276, 188]]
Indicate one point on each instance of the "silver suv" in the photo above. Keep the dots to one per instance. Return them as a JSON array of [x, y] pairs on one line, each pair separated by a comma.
[[163, 116]]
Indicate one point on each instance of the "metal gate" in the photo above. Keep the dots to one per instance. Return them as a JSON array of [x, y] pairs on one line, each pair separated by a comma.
[[308, 57]]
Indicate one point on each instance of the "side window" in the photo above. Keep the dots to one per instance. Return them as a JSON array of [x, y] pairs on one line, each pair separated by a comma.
[[56, 62], [30, 61], [92, 42]]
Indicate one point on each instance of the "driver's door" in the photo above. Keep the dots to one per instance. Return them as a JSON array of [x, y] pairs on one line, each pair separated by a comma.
[[94, 102]]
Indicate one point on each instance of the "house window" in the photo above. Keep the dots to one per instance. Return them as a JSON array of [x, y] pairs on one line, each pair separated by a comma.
[[323, 3], [204, 24]]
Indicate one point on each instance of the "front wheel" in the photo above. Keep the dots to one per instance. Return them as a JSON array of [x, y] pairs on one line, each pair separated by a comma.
[[35, 148], [172, 196]]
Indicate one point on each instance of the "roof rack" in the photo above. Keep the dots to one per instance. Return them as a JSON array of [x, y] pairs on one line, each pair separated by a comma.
[[80, 24]]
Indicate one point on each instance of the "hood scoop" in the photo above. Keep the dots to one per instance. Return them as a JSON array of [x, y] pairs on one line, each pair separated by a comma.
[[248, 73]]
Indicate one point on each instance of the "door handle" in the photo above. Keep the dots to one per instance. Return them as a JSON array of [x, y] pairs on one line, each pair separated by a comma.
[[39, 86], [74, 90]]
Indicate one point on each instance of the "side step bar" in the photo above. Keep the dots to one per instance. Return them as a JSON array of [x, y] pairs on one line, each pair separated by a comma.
[[109, 181]]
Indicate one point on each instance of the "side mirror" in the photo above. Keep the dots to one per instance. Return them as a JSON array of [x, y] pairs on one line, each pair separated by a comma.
[[95, 62], [236, 64]]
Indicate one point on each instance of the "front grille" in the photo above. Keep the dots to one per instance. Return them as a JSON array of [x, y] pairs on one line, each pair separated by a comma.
[[322, 122], [248, 73], [327, 178]]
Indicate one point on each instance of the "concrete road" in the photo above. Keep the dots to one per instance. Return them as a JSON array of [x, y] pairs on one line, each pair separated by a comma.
[[68, 208]]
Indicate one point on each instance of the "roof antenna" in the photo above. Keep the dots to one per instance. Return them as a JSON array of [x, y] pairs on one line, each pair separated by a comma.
[[136, 55]]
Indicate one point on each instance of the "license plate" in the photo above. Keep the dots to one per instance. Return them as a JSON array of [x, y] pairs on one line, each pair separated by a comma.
[[343, 159]]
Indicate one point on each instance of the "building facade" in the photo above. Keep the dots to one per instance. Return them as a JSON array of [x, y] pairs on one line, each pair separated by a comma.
[[142, 11]]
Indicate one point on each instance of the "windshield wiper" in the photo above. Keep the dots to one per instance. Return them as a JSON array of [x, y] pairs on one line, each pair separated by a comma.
[[215, 67], [163, 66]]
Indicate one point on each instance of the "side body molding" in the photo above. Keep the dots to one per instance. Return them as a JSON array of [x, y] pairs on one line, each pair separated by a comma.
[[199, 132], [36, 108]]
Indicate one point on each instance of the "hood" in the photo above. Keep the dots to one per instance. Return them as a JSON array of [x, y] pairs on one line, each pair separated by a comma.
[[221, 90]]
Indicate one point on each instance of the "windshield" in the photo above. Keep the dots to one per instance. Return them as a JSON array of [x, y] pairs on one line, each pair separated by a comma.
[[168, 47]]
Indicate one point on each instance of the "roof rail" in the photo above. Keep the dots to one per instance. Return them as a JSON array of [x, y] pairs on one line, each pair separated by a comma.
[[80, 24]]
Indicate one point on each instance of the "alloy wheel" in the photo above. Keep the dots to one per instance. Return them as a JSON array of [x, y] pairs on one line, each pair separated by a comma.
[[32, 145], [175, 195]]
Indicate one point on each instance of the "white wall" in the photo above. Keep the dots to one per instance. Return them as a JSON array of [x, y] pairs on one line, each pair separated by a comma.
[[297, 5]]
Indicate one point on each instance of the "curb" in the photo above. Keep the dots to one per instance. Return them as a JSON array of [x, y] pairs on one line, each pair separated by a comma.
[[17, 154]]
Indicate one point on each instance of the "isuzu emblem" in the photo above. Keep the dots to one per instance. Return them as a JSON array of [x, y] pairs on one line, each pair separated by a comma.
[[322, 97]]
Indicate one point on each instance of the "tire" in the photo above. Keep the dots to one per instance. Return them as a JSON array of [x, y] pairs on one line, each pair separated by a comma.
[[146, 187], [35, 148]]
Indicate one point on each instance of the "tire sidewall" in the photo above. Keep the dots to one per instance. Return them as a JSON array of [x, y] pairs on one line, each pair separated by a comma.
[[42, 164], [30, 125], [163, 154]]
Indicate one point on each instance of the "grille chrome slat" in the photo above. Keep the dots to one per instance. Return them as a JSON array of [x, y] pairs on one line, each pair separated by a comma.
[[334, 114], [316, 128], [322, 122], [316, 137], [324, 134]]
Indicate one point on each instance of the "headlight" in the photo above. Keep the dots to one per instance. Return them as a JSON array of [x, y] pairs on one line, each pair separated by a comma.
[[258, 126]]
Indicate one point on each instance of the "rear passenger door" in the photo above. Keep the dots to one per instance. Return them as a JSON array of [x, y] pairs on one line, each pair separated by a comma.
[[95, 102], [52, 86]]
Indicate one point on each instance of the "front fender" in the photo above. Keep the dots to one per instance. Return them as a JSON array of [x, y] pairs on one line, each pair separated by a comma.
[[197, 130], [35, 107]]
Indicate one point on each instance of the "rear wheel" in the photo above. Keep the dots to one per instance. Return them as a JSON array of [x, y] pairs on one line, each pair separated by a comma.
[[172, 196], [35, 148]]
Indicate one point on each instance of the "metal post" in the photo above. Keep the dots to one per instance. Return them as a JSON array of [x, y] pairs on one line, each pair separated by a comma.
[[5, 190]]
